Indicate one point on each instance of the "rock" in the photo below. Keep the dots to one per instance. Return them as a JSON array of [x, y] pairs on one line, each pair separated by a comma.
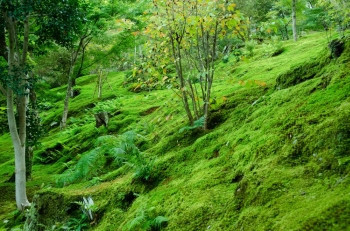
[[102, 118]]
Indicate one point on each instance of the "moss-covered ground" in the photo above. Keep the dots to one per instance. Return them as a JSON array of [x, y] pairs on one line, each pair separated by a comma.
[[276, 156]]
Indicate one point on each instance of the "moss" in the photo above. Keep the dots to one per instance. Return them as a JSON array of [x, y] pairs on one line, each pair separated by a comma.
[[121, 123], [334, 217], [52, 207], [272, 160], [301, 73]]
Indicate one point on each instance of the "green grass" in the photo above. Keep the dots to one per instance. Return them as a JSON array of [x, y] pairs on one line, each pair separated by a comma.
[[275, 159]]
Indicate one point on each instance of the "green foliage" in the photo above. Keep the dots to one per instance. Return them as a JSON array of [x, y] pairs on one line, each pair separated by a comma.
[[61, 21], [273, 48], [31, 222], [197, 124], [34, 128], [122, 149], [146, 219], [250, 46], [128, 153], [52, 66], [2, 110], [77, 224], [90, 163], [88, 207], [109, 106]]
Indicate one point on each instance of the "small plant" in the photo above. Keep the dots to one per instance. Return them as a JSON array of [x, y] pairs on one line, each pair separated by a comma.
[[127, 152], [250, 47], [146, 219], [148, 128], [31, 222], [122, 149], [274, 48], [90, 164], [77, 224], [109, 106], [197, 124], [88, 208]]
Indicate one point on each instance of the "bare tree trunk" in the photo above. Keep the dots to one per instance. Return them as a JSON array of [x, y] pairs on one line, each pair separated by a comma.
[[84, 46], [100, 85], [70, 83], [178, 63], [193, 97], [183, 90], [294, 19], [18, 136], [19, 148]]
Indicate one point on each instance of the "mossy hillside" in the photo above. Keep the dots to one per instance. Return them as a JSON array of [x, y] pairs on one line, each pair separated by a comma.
[[266, 169], [275, 159]]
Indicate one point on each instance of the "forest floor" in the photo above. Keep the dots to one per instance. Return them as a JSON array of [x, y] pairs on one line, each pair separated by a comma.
[[275, 157]]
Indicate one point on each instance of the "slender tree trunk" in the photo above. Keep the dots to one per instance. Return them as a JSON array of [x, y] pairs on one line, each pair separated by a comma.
[[84, 45], [294, 19], [70, 83], [18, 141], [193, 97], [178, 63], [183, 90], [100, 85], [18, 136]]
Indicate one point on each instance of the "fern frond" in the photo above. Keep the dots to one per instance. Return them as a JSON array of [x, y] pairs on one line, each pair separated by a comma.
[[137, 222], [159, 222], [196, 124]]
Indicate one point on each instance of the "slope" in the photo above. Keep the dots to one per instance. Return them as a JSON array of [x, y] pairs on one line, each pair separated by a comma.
[[275, 157]]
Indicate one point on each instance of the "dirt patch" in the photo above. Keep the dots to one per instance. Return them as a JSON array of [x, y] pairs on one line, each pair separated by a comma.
[[149, 111]]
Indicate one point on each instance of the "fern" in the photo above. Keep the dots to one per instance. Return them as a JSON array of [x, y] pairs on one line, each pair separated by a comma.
[[89, 164], [197, 124], [137, 222], [128, 153], [85, 168], [123, 149], [158, 223], [147, 220]]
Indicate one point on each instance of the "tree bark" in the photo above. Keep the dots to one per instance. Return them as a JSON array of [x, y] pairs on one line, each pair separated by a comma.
[[18, 136], [294, 19], [178, 63], [19, 148], [71, 79]]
